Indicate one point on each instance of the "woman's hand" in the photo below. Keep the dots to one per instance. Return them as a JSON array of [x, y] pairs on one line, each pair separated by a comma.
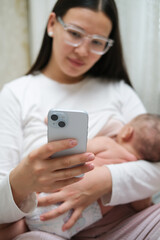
[[39, 173], [78, 196]]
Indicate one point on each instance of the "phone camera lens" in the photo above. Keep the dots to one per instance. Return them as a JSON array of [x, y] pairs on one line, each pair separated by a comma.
[[61, 124], [54, 117]]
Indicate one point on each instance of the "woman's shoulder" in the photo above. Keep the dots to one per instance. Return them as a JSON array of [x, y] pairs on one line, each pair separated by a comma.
[[118, 86], [18, 88], [121, 86], [20, 82]]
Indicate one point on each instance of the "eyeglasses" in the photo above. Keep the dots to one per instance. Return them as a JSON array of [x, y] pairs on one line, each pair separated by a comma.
[[75, 37]]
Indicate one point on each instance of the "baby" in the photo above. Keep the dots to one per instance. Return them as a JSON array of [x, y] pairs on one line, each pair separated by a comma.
[[140, 137]]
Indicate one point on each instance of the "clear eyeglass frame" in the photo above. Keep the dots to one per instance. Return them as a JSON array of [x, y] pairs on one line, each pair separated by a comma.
[[76, 37]]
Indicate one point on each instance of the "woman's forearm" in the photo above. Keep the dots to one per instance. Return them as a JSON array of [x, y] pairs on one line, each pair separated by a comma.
[[9, 212], [80, 195], [98, 182], [133, 181]]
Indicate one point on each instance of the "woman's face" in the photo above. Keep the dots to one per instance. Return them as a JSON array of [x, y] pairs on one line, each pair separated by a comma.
[[73, 62]]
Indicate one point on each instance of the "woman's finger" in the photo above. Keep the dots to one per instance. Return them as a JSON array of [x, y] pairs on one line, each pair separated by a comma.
[[73, 219], [50, 199], [50, 148], [61, 184], [72, 172], [63, 208], [68, 177], [70, 161]]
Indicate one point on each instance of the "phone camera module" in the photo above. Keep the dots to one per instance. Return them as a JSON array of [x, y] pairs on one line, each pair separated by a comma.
[[54, 117], [61, 124]]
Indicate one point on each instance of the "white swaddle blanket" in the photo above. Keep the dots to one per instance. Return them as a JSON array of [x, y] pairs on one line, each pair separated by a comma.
[[89, 216]]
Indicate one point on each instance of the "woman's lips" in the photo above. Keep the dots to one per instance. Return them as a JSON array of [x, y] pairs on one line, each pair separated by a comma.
[[76, 62]]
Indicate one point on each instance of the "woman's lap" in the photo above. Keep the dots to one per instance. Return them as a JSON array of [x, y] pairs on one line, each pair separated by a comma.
[[37, 235], [123, 223]]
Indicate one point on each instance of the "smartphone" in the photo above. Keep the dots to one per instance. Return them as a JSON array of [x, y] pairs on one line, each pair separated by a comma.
[[64, 124]]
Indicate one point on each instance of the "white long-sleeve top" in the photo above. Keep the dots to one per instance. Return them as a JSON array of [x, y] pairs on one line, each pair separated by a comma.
[[24, 104]]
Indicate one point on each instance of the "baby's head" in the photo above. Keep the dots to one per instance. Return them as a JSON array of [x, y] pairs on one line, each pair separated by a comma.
[[141, 136]]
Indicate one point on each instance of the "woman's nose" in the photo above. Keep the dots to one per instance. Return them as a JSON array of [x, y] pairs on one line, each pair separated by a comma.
[[83, 49]]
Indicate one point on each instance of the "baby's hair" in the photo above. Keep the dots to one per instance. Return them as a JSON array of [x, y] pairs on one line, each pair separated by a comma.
[[147, 136]]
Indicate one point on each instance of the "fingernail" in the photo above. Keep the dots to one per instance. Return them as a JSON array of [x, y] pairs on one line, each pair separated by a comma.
[[90, 157], [90, 166], [72, 142]]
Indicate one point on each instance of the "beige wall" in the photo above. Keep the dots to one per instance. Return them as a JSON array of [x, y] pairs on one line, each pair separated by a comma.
[[14, 44]]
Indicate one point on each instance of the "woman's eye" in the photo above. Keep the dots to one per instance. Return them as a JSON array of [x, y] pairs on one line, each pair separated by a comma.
[[75, 34], [97, 42]]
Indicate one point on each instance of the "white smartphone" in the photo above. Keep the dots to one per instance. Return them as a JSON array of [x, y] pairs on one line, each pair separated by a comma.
[[64, 124]]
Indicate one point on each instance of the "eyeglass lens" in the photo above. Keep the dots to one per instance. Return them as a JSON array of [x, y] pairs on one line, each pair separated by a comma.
[[75, 38]]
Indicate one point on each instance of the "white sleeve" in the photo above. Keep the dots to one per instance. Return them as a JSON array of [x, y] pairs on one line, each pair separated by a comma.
[[134, 180], [11, 141], [9, 210]]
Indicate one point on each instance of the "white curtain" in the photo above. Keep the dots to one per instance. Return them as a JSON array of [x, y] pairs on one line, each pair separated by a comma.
[[140, 28]]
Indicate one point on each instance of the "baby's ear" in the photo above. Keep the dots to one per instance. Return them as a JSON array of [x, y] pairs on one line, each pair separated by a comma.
[[127, 133]]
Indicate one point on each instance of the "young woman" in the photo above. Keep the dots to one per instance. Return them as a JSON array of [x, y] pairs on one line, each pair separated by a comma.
[[80, 66]]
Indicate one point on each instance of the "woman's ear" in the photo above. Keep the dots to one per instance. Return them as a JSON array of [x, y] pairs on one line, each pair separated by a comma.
[[50, 25], [127, 133]]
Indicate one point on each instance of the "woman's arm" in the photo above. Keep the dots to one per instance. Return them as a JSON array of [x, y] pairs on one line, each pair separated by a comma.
[[79, 195], [38, 173], [127, 182], [20, 179], [137, 180], [102, 147]]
